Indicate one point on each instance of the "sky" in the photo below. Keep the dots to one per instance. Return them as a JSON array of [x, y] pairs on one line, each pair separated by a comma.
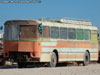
[[71, 9]]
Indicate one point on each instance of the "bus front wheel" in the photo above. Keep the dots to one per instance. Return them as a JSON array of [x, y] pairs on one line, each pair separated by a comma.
[[53, 61]]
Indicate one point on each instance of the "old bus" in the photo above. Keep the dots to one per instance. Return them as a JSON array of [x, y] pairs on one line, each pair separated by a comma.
[[51, 42]]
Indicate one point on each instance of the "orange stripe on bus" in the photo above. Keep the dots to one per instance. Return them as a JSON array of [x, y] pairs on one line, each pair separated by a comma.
[[74, 45]]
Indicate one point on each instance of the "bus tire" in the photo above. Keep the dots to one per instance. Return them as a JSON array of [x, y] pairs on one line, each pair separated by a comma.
[[2, 62], [21, 65], [53, 61], [86, 59]]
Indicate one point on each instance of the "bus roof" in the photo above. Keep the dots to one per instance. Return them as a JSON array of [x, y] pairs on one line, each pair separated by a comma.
[[21, 22], [67, 24]]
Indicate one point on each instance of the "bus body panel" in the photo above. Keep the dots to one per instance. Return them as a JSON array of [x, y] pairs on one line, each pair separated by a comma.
[[71, 51], [34, 48], [67, 50]]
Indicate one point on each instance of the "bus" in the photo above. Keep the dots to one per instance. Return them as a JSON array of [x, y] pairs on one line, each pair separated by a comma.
[[50, 41]]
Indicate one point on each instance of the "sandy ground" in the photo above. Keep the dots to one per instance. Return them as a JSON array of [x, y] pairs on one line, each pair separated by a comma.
[[92, 69]]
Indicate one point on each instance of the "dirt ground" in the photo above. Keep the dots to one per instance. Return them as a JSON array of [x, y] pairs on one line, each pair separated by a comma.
[[91, 69]]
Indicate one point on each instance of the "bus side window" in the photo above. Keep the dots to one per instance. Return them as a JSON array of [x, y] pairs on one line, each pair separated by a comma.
[[63, 33], [79, 34], [71, 33], [94, 36], [86, 34], [55, 32], [46, 32]]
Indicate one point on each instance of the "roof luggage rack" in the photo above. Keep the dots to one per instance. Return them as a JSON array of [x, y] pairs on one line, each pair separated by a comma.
[[67, 21]]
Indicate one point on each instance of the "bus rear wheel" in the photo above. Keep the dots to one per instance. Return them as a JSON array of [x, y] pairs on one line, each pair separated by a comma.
[[2, 62], [22, 65], [86, 59], [53, 61]]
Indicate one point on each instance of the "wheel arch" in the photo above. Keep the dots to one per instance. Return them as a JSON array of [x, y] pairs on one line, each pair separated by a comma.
[[88, 52]]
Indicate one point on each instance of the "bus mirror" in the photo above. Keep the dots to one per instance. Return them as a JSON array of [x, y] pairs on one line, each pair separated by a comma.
[[40, 28], [1, 27]]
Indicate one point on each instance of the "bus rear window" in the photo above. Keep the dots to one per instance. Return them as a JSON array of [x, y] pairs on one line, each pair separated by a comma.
[[28, 32]]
